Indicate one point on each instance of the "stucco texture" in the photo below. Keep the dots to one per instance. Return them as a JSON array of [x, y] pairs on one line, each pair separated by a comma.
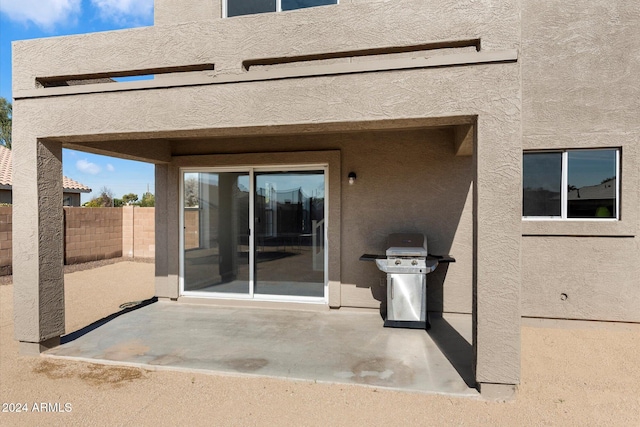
[[402, 177], [590, 100], [38, 238], [485, 230], [228, 42]]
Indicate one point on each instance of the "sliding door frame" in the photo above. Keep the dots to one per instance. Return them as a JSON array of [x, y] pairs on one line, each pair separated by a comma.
[[251, 170]]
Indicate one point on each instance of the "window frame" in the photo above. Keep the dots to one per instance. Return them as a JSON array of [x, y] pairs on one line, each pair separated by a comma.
[[278, 8], [564, 185]]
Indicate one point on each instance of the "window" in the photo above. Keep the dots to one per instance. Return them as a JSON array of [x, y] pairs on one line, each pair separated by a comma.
[[249, 7], [572, 184]]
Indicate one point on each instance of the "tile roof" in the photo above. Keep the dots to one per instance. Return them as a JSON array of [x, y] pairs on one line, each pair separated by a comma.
[[6, 172], [70, 184]]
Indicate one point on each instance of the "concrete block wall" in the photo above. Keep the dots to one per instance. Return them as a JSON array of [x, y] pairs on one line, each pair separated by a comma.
[[92, 234], [191, 228], [140, 227], [5, 240], [127, 232]]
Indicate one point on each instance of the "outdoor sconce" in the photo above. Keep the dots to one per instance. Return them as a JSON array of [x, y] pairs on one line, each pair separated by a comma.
[[352, 178]]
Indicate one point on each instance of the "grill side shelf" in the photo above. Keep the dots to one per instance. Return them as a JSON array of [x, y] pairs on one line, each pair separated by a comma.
[[442, 258], [371, 257]]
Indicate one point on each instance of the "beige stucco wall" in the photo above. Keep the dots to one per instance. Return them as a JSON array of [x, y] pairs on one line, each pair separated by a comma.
[[575, 84], [590, 99], [228, 42], [174, 12], [408, 181], [134, 120]]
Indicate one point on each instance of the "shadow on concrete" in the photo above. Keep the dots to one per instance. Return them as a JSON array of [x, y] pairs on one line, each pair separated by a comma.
[[454, 346], [435, 288], [129, 307]]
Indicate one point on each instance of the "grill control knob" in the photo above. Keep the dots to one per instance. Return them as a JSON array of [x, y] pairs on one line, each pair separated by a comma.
[[414, 262], [398, 262]]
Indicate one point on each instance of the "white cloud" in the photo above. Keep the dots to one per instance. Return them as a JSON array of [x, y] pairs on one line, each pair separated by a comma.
[[45, 14], [124, 10], [110, 167], [88, 167]]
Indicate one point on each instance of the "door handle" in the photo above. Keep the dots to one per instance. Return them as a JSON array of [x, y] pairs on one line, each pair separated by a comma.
[[391, 283]]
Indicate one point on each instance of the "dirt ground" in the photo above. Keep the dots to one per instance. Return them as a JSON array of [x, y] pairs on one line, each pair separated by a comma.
[[576, 376]]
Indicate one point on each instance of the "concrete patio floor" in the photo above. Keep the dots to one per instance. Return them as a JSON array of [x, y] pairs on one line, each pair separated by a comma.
[[325, 346]]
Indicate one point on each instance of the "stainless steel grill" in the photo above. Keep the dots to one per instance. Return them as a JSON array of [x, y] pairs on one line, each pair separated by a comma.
[[406, 263]]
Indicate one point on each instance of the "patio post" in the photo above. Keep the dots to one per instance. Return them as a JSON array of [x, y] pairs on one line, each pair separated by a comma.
[[38, 247], [497, 237], [168, 204]]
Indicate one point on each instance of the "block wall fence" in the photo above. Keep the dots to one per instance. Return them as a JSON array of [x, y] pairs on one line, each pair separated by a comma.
[[92, 234], [5, 240]]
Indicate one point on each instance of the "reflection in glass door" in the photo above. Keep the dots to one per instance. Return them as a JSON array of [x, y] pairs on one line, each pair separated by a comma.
[[289, 229], [216, 232]]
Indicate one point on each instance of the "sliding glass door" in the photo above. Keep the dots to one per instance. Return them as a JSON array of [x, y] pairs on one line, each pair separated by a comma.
[[255, 233], [216, 232], [289, 230]]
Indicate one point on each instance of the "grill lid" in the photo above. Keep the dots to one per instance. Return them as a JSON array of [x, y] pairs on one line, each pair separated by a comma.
[[407, 245]]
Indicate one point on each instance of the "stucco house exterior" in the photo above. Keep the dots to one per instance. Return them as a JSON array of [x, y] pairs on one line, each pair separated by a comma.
[[474, 122], [71, 189]]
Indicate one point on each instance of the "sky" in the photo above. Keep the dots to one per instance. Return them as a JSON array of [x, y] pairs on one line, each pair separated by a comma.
[[29, 19]]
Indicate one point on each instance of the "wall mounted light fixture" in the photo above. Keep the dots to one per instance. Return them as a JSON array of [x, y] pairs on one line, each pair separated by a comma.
[[352, 178]]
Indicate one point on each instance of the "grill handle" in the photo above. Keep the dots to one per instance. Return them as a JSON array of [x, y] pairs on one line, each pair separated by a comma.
[[391, 283]]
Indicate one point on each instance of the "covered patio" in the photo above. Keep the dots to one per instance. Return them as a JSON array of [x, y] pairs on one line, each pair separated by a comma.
[[435, 142], [349, 346]]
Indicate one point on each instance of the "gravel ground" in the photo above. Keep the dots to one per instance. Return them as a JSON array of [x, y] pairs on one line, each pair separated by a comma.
[[577, 376], [7, 280]]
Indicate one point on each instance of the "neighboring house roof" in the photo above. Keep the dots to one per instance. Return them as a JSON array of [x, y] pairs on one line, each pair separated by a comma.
[[6, 175], [71, 186], [606, 190]]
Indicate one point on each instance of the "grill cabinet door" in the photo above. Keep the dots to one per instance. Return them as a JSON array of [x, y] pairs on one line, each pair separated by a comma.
[[406, 297]]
